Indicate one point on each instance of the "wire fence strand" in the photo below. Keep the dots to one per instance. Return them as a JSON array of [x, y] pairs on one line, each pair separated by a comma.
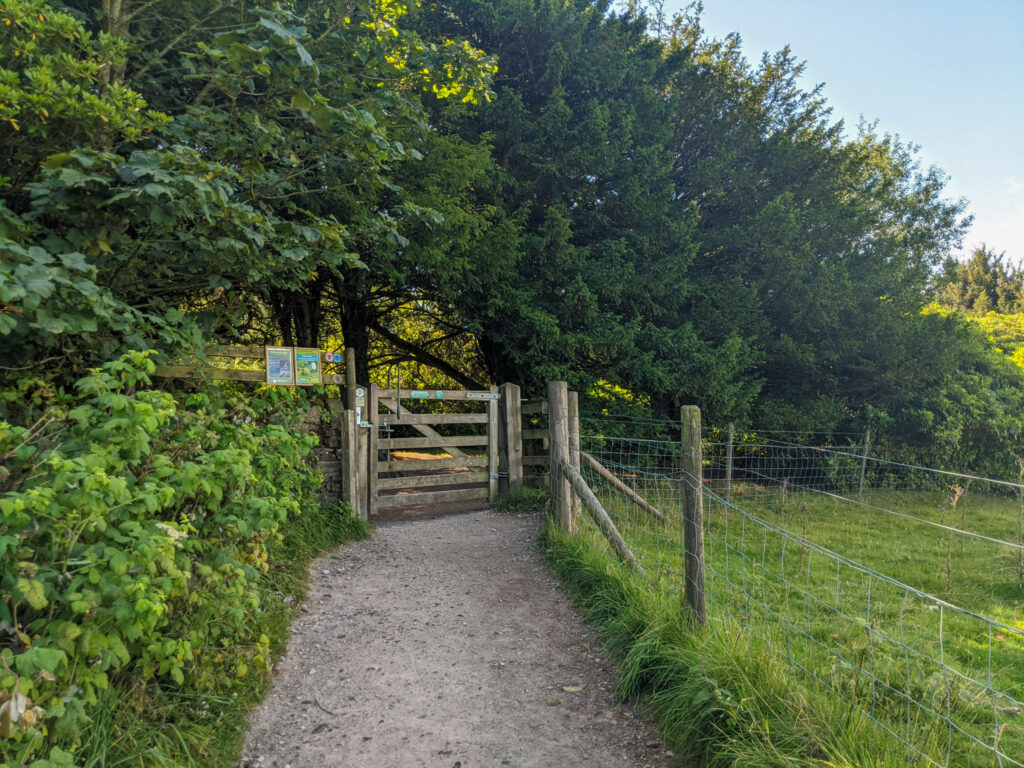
[[886, 585]]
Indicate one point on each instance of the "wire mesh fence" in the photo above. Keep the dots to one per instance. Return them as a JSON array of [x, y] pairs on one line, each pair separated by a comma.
[[902, 597]]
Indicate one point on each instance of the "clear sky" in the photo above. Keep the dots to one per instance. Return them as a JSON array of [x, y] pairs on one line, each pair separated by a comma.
[[947, 75]]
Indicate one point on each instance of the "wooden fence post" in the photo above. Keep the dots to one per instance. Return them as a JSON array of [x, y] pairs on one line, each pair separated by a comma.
[[728, 462], [492, 446], [350, 378], [575, 503], [864, 461], [558, 451], [371, 458], [502, 447], [693, 511], [361, 464], [512, 429], [350, 467]]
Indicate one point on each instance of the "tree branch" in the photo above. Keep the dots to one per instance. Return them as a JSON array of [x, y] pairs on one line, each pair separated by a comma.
[[167, 48], [423, 356]]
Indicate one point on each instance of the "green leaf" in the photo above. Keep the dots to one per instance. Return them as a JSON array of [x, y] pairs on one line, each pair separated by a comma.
[[56, 161], [302, 100], [33, 592], [118, 562]]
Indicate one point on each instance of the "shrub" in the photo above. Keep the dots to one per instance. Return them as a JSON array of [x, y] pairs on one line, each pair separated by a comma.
[[134, 531]]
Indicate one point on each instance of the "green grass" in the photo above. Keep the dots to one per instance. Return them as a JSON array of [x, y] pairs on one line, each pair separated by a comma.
[[722, 697], [155, 727], [774, 594]]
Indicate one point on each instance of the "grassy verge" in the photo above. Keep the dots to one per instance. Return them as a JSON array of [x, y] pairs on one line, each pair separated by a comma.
[[722, 698], [191, 726]]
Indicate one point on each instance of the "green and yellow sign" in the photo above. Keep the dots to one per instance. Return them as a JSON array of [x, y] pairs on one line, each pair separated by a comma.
[[307, 367]]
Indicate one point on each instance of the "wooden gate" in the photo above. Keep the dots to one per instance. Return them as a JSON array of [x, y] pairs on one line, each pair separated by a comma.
[[420, 454]]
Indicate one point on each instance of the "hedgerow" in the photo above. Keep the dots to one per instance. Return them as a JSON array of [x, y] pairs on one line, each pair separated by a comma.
[[134, 534]]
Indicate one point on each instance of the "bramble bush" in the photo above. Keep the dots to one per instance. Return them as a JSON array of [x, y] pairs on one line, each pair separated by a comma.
[[134, 532]]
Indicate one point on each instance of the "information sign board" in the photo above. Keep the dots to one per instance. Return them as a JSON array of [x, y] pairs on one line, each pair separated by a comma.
[[280, 368], [307, 367]]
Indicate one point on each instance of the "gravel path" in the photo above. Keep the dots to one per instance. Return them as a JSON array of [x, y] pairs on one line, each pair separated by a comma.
[[444, 642]]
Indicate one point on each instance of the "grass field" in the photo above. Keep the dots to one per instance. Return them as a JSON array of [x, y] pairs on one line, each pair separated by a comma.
[[936, 667]]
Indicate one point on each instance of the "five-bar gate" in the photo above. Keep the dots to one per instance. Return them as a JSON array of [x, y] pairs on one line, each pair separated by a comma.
[[432, 447]]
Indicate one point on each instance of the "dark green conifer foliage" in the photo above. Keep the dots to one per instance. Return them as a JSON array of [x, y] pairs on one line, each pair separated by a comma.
[[590, 276]]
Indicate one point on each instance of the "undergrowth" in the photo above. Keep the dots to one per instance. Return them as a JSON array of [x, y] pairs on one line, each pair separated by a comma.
[[722, 698], [153, 547], [528, 500], [174, 727]]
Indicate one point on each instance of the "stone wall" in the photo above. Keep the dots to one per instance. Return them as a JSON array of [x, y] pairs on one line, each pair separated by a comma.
[[325, 421]]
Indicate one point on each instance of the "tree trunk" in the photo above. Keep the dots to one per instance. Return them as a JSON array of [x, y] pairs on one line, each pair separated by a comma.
[[355, 316], [499, 367], [297, 313]]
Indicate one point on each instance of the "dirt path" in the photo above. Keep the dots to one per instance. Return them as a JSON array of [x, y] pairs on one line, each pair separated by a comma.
[[444, 643]]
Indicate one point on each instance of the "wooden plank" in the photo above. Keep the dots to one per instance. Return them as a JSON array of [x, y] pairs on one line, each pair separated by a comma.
[[513, 428], [432, 497], [420, 465], [234, 350], [447, 394], [217, 374], [393, 406], [371, 471], [535, 461], [476, 476], [529, 409], [492, 443], [441, 441], [535, 434], [434, 419]]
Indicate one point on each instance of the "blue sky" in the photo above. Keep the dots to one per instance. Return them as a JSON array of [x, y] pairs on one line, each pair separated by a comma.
[[947, 75]]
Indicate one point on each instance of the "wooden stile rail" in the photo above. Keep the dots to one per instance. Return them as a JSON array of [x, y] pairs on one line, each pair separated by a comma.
[[620, 486], [600, 516]]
